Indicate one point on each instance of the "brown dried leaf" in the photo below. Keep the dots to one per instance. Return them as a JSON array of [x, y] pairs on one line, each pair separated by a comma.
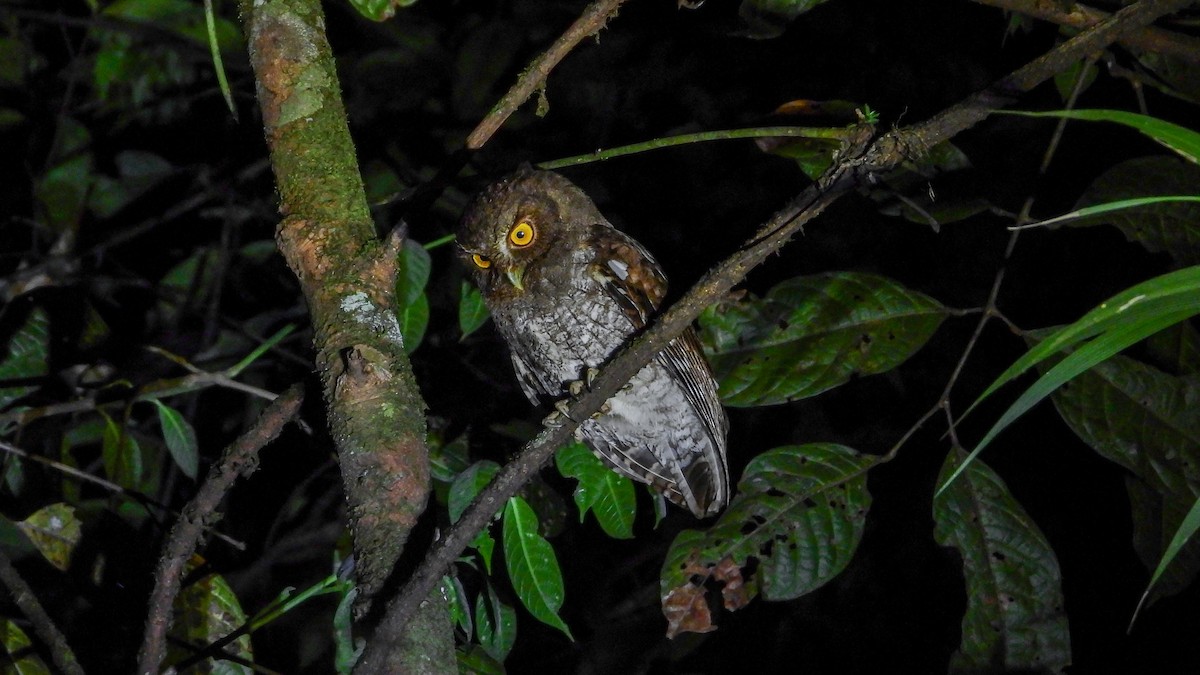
[[734, 593], [686, 609]]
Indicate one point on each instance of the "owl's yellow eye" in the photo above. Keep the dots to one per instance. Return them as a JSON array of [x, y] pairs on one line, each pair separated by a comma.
[[522, 235], [480, 261]]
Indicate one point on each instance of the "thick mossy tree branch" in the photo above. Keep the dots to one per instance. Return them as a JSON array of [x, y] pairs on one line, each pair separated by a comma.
[[860, 159], [374, 409]]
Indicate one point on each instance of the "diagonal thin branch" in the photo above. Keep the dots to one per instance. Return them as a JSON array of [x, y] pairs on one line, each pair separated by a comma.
[[1076, 15], [240, 457], [858, 162], [534, 76], [23, 596]]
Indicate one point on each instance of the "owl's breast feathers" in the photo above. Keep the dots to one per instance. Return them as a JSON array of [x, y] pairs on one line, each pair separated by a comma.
[[593, 289]]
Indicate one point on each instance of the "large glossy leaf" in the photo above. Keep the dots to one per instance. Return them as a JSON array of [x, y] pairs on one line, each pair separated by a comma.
[[1015, 620], [412, 305], [1148, 422], [532, 566], [608, 494], [1173, 227], [460, 605], [204, 612], [1117, 323], [810, 334], [1143, 419], [799, 513], [25, 355]]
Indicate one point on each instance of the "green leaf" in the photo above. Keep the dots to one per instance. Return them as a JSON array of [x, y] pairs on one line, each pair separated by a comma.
[[122, 455], [462, 491], [347, 648], [810, 334], [1175, 350], [206, 611], [769, 18], [1143, 419], [180, 438], [799, 513], [26, 355], [460, 607], [379, 10], [22, 657], [414, 319], [472, 311], [608, 494], [1154, 201], [474, 660], [412, 305], [532, 566], [1180, 139], [496, 624], [1015, 619], [1156, 522], [1187, 529], [137, 173], [414, 268], [1122, 320], [468, 484], [55, 530]]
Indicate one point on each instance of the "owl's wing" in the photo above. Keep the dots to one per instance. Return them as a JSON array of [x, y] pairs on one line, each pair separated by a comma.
[[633, 278], [525, 377]]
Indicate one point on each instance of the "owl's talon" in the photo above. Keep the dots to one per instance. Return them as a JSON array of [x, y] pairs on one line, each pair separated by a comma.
[[575, 388], [554, 419], [604, 410], [590, 377]]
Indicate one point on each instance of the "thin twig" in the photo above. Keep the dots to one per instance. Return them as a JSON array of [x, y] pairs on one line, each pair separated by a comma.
[[28, 603], [853, 167], [534, 76], [134, 496], [834, 134], [240, 457], [1075, 15], [155, 390]]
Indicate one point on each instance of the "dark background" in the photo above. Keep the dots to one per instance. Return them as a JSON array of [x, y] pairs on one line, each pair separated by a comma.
[[414, 87]]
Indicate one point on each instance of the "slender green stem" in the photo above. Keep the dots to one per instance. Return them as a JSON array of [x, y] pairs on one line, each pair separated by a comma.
[[440, 241], [834, 133]]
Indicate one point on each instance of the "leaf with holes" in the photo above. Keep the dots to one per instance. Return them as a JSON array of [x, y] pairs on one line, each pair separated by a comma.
[[532, 566], [608, 494], [1015, 619], [810, 334], [799, 512]]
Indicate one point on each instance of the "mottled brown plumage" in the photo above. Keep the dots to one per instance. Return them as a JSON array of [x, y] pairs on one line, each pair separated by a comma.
[[566, 290]]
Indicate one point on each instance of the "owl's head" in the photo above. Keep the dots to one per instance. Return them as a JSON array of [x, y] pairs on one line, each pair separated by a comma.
[[515, 225]]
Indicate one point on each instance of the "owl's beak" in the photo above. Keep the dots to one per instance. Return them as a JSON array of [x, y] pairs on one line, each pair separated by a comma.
[[514, 275]]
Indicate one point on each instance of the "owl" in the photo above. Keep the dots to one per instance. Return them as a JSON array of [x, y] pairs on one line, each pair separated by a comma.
[[566, 290]]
